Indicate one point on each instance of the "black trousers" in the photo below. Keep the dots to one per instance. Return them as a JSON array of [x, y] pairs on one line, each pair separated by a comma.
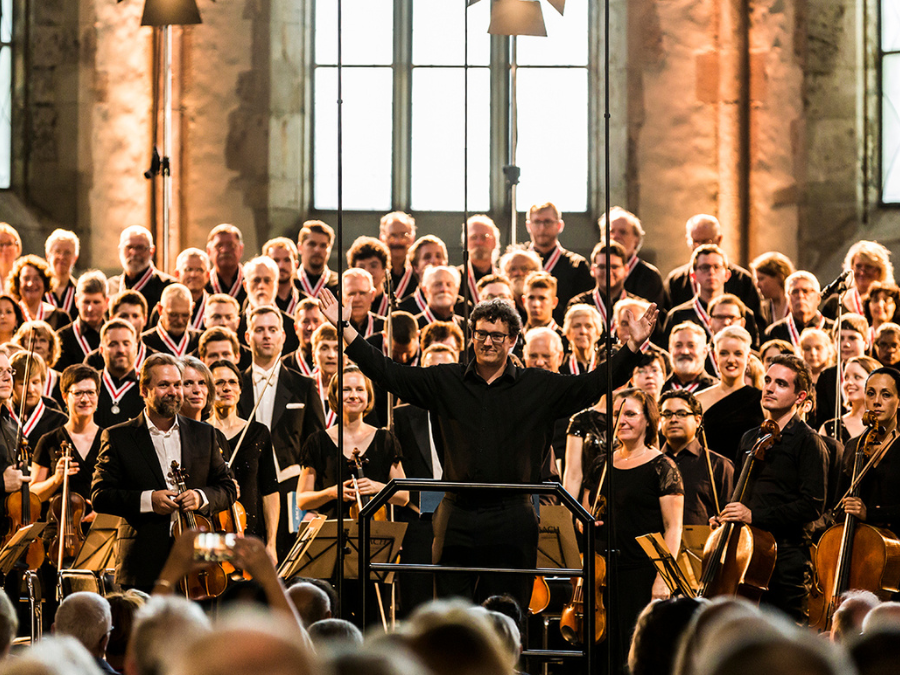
[[789, 587], [480, 532]]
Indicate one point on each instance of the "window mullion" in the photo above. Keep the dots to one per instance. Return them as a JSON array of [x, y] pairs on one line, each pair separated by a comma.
[[402, 126]]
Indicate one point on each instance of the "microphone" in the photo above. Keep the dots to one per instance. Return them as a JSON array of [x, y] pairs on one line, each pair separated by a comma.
[[838, 285]]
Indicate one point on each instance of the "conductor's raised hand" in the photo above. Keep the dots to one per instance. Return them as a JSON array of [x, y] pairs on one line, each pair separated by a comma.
[[639, 330], [331, 307]]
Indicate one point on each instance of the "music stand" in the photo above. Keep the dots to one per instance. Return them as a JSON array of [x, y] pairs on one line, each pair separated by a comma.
[[288, 567], [385, 538], [99, 544], [17, 546], [656, 549], [320, 558], [557, 546]]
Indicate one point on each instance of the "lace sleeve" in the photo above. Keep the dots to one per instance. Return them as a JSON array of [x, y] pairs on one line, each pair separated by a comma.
[[586, 422], [670, 481]]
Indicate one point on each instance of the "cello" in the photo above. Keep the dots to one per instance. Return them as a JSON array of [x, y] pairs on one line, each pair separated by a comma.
[[206, 583], [853, 554], [67, 509], [738, 559], [571, 622]]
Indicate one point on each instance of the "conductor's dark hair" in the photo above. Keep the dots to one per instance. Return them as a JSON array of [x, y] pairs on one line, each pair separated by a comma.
[[497, 310]]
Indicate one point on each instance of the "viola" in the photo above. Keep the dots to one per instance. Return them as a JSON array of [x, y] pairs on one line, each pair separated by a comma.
[[571, 623], [23, 508], [233, 521], [211, 581], [738, 559], [362, 500], [67, 509], [854, 555]]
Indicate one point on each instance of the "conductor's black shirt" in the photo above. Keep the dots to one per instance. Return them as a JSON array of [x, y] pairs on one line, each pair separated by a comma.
[[497, 432]]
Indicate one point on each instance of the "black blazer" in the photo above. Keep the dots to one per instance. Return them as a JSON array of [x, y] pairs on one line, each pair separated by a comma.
[[411, 430], [127, 466], [296, 415]]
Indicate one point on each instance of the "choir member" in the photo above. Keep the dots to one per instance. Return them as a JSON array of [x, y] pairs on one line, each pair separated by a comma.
[[641, 278], [225, 248], [61, 250], [29, 282], [771, 270]]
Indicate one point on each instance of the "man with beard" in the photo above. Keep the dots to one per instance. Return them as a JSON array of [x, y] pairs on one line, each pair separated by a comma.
[[136, 251], [119, 396], [261, 283], [173, 335], [143, 492], [481, 239], [398, 231], [440, 286], [688, 348]]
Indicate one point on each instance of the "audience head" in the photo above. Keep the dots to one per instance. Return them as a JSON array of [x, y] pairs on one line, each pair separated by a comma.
[[659, 628], [330, 634], [9, 624], [310, 601], [847, 621], [163, 627], [86, 617]]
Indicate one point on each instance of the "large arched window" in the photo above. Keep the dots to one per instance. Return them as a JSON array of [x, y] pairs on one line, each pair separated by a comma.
[[6, 35], [403, 108]]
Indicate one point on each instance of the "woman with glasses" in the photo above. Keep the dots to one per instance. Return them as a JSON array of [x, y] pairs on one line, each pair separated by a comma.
[[254, 464], [731, 407], [648, 497], [80, 385]]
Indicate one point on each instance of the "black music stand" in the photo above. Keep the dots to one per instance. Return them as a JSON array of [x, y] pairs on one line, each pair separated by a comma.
[[319, 561], [17, 546], [99, 544], [289, 568]]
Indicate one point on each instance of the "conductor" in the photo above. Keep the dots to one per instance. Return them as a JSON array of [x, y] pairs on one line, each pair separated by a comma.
[[496, 421]]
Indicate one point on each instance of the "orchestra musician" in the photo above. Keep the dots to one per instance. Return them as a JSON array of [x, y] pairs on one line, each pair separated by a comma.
[[141, 492], [878, 502], [789, 488]]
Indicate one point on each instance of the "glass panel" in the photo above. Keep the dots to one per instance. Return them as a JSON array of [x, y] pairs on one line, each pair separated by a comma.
[[367, 97], [890, 129], [567, 38], [890, 25], [437, 139], [5, 116], [553, 138], [6, 16], [438, 35], [368, 29]]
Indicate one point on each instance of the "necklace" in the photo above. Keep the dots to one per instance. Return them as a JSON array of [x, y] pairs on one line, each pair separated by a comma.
[[635, 456]]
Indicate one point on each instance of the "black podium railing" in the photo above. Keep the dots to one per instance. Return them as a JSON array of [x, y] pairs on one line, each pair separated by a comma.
[[366, 566]]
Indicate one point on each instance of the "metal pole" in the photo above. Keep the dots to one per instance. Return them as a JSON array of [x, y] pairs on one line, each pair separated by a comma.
[[513, 135], [165, 168], [341, 542]]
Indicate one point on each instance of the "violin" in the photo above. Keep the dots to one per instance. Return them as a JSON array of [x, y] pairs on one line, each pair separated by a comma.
[[853, 554], [67, 509], [362, 500], [24, 508], [738, 559], [571, 623], [206, 583]]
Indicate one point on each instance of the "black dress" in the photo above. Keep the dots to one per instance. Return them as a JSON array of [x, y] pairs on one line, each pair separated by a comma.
[[590, 426], [320, 454], [878, 489], [727, 420], [254, 470], [48, 452], [638, 512]]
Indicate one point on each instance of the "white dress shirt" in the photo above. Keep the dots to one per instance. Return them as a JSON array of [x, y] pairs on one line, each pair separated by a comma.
[[168, 449], [264, 384]]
